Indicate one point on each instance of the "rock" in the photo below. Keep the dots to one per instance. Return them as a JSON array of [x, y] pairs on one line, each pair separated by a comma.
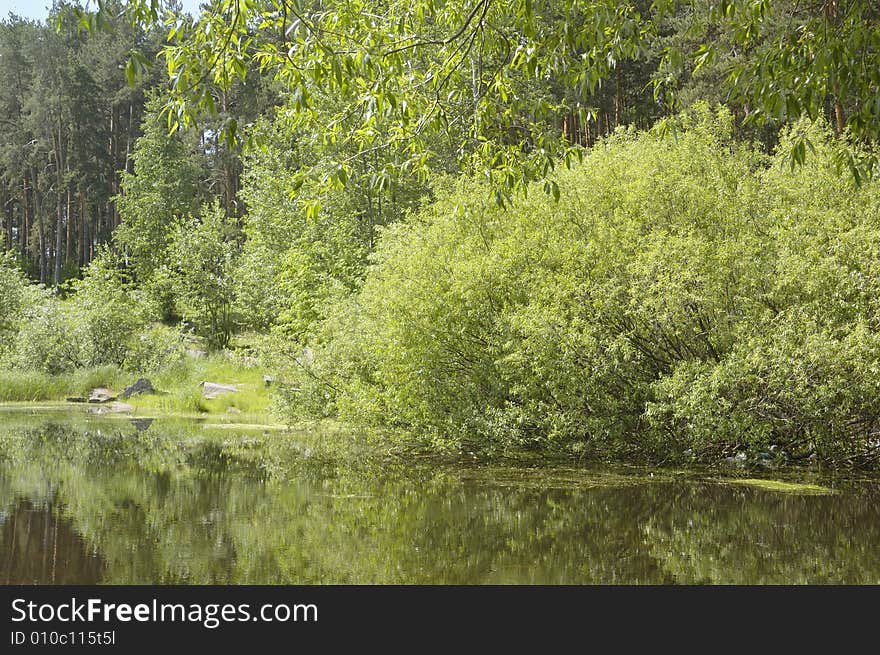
[[213, 389], [737, 460], [233, 410], [140, 387], [113, 408], [196, 354], [101, 395], [77, 399]]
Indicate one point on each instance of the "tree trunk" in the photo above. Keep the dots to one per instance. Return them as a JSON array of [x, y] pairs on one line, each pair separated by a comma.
[[5, 220], [839, 117], [41, 230], [59, 205], [59, 236], [68, 250], [618, 97], [83, 236], [24, 228]]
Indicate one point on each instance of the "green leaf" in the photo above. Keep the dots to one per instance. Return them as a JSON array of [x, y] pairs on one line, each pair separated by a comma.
[[130, 72]]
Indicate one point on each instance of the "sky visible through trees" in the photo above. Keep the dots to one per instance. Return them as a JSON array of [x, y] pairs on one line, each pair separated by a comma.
[[38, 10]]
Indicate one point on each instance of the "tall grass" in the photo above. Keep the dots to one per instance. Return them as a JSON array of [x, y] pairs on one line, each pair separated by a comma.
[[31, 386], [179, 387]]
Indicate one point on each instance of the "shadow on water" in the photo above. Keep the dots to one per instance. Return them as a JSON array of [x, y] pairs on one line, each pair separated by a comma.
[[179, 504]]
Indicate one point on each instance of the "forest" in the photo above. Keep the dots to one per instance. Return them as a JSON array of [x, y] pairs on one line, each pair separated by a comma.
[[626, 231]]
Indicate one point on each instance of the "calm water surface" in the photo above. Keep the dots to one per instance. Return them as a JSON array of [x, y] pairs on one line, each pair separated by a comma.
[[132, 502]]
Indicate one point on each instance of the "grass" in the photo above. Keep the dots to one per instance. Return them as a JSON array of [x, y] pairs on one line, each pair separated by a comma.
[[184, 395], [34, 386], [180, 394]]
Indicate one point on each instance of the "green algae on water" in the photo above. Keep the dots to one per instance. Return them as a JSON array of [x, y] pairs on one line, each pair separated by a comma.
[[781, 486]]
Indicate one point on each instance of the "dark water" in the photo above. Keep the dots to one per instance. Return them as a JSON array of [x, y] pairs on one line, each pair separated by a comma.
[[86, 502]]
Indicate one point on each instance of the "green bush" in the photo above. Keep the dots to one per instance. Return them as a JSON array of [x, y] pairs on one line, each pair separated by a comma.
[[800, 386], [687, 294], [45, 340], [156, 348], [11, 283], [106, 312], [203, 255], [17, 296], [94, 326]]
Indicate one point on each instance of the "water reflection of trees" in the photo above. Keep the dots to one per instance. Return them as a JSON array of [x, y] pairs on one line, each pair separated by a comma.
[[744, 536], [40, 547], [164, 507]]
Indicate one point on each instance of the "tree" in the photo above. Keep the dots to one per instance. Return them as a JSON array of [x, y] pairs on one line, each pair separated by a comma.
[[203, 256], [778, 61], [14, 296], [464, 68], [164, 188], [69, 118], [16, 74], [305, 248]]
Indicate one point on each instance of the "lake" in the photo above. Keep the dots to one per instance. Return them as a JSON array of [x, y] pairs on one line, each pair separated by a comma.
[[89, 500]]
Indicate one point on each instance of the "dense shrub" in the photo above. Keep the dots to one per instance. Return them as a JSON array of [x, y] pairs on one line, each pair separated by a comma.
[[17, 295], [94, 326], [687, 294], [203, 255], [45, 340], [155, 348]]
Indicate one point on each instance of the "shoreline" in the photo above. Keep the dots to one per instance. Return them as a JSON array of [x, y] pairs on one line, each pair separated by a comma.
[[782, 479]]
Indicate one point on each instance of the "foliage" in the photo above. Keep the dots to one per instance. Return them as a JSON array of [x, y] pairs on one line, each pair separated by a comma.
[[16, 294], [688, 295], [482, 73], [158, 347], [107, 311], [202, 260], [335, 371], [162, 190], [299, 258], [94, 329], [69, 117], [679, 293], [46, 341]]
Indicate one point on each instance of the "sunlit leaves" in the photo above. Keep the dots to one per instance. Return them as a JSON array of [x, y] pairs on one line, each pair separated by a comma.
[[681, 294], [136, 66], [407, 72], [202, 260]]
